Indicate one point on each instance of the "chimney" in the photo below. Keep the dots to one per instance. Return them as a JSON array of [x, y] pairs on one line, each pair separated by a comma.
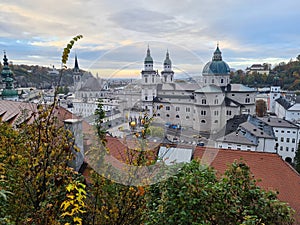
[[75, 126]]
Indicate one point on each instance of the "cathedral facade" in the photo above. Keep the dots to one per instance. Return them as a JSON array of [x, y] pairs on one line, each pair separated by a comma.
[[204, 106]]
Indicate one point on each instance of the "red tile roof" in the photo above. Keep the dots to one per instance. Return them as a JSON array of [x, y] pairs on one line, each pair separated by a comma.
[[269, 169], [273, 173]]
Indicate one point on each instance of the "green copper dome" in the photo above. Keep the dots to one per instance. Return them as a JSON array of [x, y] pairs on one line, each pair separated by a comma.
[[217, 65], [148, 58], [167, 60]]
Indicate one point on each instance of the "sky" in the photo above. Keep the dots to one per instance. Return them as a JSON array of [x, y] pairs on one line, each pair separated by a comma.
[[116, 33]]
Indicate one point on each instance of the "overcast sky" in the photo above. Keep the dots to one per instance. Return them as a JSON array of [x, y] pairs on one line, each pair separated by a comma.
[[117, 33]]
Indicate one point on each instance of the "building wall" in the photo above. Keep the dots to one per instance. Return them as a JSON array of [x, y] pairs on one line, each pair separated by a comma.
[[287, 140], [235, 146]]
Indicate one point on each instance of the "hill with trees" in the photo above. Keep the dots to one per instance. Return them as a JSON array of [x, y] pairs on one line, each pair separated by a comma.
[[287, 75], [39, 76]]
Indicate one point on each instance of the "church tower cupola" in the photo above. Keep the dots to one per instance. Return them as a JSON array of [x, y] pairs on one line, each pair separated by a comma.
[[9, 92], [167, 73], [148, 62], [167, 62], [217, 54]]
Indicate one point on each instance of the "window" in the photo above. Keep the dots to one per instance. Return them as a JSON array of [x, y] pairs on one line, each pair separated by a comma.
[[282, 131], [146, 98], [293, 140], [177, 116], [152, 79], [146, 79], [282, 139], [203, 121], [187, 109], [287, 140], [216, 121], [247, 100], [167, 115], [228, 112], [232, 94], [276, 130], [158, 114], [281, 148], [216, 112], [287, 149], [177, 109], [288, 131], [168, 108], [293, 149], [213, 81], [203, 101], [203, 112], [222, 81], [187, 117], [216, 101]]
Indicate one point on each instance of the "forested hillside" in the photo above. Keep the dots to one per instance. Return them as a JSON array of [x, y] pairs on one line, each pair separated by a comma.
[[287, 75], [38, 76]]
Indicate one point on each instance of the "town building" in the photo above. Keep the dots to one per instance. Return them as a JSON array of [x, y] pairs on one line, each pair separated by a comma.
[[263, 134], [259, 69], [203, 106]]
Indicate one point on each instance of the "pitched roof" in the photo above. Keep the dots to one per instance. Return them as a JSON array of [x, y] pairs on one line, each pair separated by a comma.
[[284, 103], [278, 122], [272, 171], [241, 88], [209, 89], [234, 138]]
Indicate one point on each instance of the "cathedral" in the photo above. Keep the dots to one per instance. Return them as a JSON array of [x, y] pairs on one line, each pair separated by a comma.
[[204, 106]]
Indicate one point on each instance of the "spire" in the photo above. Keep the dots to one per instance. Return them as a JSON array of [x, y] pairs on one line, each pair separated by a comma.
[[148, 58], [217, 54], [76, 67], [167, 60]]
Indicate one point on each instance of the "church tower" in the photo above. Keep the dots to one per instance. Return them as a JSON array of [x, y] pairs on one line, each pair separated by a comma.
[[9, 92], [150, 77], [76, 75], [167, 74]]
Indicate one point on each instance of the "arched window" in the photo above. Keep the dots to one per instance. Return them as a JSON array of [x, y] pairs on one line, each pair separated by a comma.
[[203, 121], [158, 114], [177, 116], [222, 81], [288, 160]]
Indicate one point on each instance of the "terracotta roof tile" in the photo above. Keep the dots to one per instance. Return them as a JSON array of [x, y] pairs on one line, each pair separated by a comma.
[[273, 173]]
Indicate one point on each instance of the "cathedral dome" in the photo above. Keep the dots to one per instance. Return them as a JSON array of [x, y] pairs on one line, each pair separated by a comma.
[[217, 66]]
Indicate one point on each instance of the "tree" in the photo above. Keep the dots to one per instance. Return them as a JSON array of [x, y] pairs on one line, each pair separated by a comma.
[[197, 196], [34, 162], [261, 108], [297, 159]]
